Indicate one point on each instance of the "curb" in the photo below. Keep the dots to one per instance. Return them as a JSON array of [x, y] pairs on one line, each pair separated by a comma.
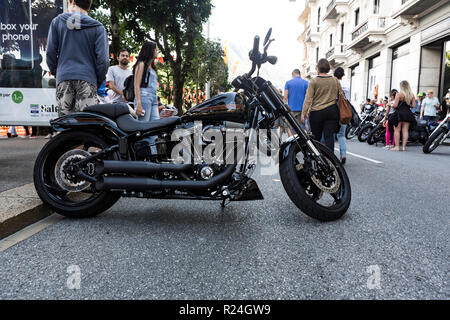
[[23, 208]]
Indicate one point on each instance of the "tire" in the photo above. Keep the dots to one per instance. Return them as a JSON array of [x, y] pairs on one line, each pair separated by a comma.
[[50, 190], [364, 132], [297, 185], [434, 140], [351, 132], [372, 137]]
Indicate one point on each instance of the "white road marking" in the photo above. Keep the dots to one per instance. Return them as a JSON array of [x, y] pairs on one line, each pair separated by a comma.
[[29, 231], [362, 157]]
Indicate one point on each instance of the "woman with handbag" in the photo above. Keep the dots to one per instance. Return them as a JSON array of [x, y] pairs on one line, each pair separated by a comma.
[[320, 105]]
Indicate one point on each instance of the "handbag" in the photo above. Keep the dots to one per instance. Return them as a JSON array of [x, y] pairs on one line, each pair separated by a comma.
[[345, 110]]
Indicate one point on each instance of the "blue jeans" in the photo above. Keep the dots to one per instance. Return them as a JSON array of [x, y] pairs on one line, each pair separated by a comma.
[[149, 101], [342, 141]]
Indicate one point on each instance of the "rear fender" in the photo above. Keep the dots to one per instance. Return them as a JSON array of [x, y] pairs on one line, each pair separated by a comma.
[[86, 121]]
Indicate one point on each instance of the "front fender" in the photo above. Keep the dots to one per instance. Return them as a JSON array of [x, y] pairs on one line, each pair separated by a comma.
[[285, 148], [87, 121]]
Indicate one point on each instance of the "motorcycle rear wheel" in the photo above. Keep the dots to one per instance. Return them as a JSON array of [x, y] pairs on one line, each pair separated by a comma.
[[52, 184], [304, 192]]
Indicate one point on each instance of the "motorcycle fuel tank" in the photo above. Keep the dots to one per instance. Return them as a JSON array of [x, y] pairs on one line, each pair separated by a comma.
[[225, 107]]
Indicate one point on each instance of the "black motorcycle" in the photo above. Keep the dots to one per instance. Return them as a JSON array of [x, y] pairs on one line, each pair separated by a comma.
[[438, 136], [363, 133], [367, 117], [419, 132], [103, 154]]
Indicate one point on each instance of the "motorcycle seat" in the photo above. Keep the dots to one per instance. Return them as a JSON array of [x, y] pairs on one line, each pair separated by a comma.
[[128, 124], [422, 123], [110, 110]]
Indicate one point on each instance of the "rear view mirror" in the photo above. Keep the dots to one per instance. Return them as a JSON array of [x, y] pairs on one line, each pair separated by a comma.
[[267, 38]]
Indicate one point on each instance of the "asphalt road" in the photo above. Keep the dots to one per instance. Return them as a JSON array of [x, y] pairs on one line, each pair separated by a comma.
[[17, 158], [391, 244]]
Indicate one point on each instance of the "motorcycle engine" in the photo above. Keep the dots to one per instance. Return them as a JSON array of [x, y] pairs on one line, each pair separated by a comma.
[[146, 148]]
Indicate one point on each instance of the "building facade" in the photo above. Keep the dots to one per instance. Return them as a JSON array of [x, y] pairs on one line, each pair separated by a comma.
[[380, 43]]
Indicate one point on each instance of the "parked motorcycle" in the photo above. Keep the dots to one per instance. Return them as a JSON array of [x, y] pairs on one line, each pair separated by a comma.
[[419, 132], [366, 117], [439, 135], [103, 154], [365, 130]]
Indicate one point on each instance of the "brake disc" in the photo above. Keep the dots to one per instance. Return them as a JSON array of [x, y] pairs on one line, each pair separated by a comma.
[[299, 167], [64, 180], [334, 187]]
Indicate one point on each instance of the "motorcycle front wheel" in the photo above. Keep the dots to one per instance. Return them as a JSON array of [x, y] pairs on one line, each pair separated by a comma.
[[351, 132], [321, 201], [62, 192], [435, 140], [377, 134], [364, 132]]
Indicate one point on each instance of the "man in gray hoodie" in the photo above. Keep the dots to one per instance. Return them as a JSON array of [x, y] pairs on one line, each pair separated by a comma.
[[78, 55]]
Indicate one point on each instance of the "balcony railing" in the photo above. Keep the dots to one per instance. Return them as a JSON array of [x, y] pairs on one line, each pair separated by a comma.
[[411, 8], [370, 32], [331, 5], [336, 8], [380, 23], [329, 53]]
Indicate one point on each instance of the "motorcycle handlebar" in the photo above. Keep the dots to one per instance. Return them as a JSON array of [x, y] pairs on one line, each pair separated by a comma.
[[256, 45]]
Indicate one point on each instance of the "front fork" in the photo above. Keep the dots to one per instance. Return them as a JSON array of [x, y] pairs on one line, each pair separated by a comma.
[[304, 136]]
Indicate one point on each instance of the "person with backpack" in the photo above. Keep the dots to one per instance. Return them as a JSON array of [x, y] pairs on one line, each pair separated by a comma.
[[117, 75], [146, 83]]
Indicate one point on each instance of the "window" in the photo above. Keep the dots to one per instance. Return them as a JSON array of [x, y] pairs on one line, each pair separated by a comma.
[[356, 17], [317, 54], [374, 77], [376, 6], [341, 39], [331, 40], [400, 63], [318, 17]]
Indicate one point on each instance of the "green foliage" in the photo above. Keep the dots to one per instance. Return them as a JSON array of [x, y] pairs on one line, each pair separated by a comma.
[[176, 27]]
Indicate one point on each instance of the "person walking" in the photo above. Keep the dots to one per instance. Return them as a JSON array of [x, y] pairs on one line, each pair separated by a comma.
[[320, 105], [117, 75], [404, 102], [429, 107], [294, 95], [78, 55], [339, 74]]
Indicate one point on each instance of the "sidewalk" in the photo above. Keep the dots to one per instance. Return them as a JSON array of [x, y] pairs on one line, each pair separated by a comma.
[[20, 205]]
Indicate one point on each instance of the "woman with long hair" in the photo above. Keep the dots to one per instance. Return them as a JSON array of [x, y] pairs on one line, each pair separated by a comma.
[[146, 83], [320, 105], [388, 120], [405, 100]]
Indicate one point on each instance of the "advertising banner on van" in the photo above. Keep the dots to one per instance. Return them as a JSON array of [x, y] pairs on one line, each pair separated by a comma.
[[27, 89]]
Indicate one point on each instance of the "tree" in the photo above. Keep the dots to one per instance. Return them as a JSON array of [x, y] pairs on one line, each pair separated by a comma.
[[177, 26]]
